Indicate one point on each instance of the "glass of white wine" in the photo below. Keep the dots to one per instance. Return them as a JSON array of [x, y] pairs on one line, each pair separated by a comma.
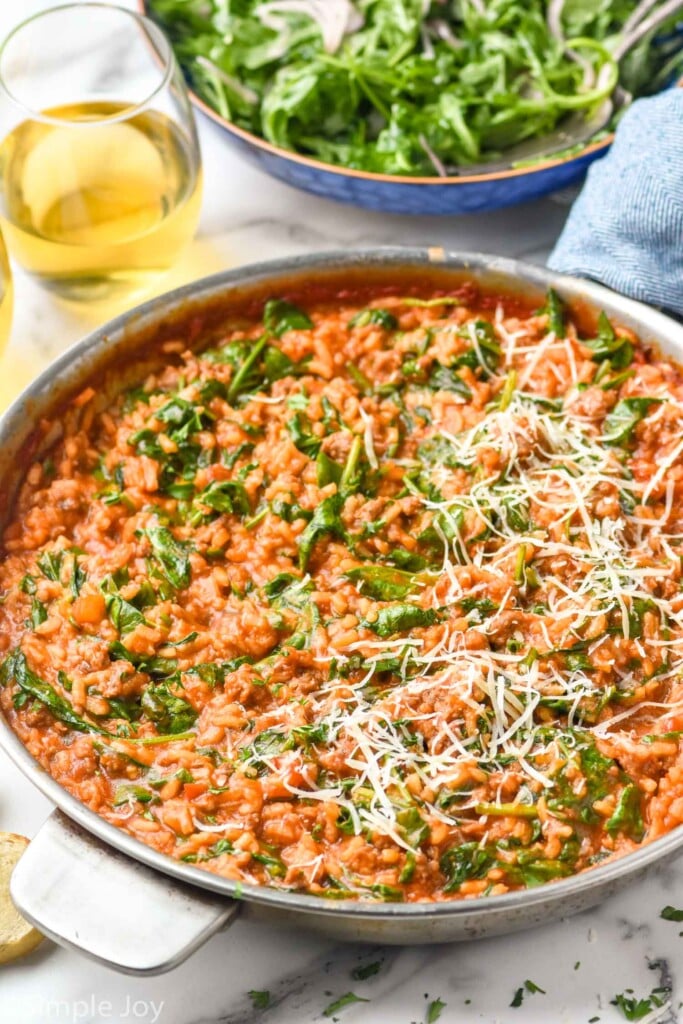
[[6, 296], [100, 173]]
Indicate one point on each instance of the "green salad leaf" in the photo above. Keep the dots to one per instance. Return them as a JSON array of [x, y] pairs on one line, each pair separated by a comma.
[[406, 87]]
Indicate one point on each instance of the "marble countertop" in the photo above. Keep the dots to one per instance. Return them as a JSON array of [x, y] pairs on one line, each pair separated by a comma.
[[581, 963]]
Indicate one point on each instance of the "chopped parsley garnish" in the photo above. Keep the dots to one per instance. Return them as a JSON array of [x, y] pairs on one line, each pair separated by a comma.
[[339, 1004]]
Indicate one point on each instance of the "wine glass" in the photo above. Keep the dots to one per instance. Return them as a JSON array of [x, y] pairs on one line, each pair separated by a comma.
[[100, 172]]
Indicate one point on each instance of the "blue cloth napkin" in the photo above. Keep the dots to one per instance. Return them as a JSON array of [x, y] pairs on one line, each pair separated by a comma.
[[625, 230]]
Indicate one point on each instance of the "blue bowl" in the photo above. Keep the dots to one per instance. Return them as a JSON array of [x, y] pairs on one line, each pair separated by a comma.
[[455, 194], [388, 193]]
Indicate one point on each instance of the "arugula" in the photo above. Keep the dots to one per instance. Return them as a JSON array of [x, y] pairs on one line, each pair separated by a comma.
[[625, 416], [413, 88]]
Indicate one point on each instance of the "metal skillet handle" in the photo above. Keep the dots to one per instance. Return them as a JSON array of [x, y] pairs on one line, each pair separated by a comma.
[[90, 898]]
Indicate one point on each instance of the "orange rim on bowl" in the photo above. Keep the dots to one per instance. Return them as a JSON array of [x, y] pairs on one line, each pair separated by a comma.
[[348, 172]]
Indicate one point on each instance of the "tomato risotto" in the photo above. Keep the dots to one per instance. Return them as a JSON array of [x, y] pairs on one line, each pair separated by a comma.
[[373, 600]]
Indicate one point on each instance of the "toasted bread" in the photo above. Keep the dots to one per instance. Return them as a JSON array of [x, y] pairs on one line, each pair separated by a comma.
[[17, 937]]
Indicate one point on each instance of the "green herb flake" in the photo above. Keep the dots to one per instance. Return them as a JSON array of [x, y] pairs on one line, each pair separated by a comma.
[[260, 998], [633, 1008], [339, 1004], [366, 971], [434, 1010], [670, 913], [518, 998]]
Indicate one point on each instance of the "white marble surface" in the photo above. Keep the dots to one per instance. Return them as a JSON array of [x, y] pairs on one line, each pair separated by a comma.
[[582, 963]]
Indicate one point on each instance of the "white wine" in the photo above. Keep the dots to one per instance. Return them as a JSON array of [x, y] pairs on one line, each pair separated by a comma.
[[6, 297], [93, 202]]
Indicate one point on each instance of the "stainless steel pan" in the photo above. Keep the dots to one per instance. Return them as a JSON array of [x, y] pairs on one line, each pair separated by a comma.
[[93, 887]]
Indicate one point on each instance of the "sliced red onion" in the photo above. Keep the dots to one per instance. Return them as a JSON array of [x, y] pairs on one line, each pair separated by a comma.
[[241, 90], [434, 159], [336, 18]]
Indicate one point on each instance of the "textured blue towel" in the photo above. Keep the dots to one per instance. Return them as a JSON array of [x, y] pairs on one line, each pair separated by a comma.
[[626, 228]]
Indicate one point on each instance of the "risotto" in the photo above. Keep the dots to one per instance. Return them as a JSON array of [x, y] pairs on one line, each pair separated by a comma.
[[374, 600]]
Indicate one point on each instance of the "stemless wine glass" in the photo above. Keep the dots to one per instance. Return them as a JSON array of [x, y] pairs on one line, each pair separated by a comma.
[[100, 176], [6, 296]]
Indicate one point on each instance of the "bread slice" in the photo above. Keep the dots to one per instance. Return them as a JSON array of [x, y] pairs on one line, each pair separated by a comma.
[[17, 937]]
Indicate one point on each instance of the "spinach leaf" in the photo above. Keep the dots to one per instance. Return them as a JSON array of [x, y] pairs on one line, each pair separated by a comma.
[[627, 816], [169, 711], [78, 577], [396, 618], [327, 470], [443, 378], [483, 605], [15, 668], [226, 496], [608, 345], [50, 564], [280, 316], [625, 416], [153, 665], [279, 584], [485, 351], [172, 554], [463, 862], [248, 376], [300, 430], [374, 315], [38, 612], [411, 561], [382, 583], [438, 451], [277, 364], [326, 521], [554, 307], [124, 615], [182, 418]]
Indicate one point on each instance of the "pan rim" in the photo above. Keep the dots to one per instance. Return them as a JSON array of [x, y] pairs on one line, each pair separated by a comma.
[[527, 277]]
